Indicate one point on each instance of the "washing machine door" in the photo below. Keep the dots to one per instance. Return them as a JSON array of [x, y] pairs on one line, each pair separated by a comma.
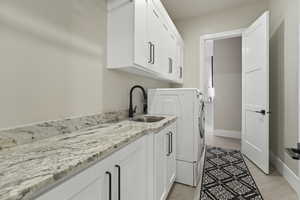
[[201, 125], [201, 121]]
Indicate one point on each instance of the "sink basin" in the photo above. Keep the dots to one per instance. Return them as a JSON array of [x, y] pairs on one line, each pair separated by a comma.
[[148, 119]]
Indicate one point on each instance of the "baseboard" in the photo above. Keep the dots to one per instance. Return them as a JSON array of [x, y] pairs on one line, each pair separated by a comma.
[[286, 172], [227, 133]]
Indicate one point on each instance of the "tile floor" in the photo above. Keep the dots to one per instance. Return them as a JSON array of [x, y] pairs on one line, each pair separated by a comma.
[[272, 187]]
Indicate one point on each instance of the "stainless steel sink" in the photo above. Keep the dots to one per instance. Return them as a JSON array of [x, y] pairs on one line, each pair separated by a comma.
[[147, 119]]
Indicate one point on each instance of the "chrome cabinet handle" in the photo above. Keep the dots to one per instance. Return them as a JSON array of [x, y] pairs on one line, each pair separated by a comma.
[[109, 188], [170, 66], [150, 47], [119, 181], [169, 146], [180, 72], [153, 54], [171, 141], [155, 13]]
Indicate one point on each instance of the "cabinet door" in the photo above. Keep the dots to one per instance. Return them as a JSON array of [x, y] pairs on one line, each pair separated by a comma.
[[160, 148], [95, 183], [98, 190], [171, 158], [180, 62], [155, 30], [172, 57], [141, 53], [131, 174], [166, 41], [177, 66]]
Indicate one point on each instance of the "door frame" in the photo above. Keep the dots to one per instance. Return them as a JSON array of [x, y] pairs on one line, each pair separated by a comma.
[[299, 91], [215, 36]]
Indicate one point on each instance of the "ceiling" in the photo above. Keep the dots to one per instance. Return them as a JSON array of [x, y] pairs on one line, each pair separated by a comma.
[[180, 9]]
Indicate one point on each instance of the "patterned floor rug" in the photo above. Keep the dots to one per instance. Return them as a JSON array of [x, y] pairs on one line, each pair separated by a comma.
[[227, 177]]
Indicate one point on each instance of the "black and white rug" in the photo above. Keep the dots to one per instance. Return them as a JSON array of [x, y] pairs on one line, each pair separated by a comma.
[[227, 177]]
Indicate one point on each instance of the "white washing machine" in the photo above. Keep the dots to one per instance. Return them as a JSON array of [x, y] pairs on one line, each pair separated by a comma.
[[188, 105]]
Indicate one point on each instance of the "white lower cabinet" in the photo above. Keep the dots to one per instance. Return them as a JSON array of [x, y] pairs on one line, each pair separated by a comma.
[[131, 173], [165, 161], [122, 175], [171, 157], [160, 169], [143, 170], [94, 183]]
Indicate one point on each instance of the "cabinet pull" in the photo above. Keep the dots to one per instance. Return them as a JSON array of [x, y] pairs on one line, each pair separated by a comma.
[[180, 72], [119, 181], [155, 13], [150, 47], [169, 146], [153, 54], [171, 141], [109, 188], [170, 65], [166, 27]]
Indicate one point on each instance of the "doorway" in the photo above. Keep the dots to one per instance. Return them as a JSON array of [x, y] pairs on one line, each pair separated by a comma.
[[222, 75], [226, 63], [255, 89]]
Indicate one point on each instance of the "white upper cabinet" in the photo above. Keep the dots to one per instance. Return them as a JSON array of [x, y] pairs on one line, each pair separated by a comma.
[[140, 33], [127, 33], [155, 39], [142, 39]]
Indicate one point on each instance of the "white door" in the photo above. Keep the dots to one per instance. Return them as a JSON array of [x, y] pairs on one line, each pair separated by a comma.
[[255, 116]]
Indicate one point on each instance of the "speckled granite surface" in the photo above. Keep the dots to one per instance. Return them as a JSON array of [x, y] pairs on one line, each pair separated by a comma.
[[33, 165], [28, 134]]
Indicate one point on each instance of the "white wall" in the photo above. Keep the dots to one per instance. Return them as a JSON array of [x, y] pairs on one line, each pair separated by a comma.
[[226, 20], [228, 84], [284, 64], [53, 62]]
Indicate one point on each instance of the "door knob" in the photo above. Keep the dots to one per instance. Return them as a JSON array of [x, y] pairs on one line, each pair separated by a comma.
[[263, 112]]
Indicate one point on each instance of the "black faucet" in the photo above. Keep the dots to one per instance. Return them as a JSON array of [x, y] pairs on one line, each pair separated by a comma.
[[133, 110]]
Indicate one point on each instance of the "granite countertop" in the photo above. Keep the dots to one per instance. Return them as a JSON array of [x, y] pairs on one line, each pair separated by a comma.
[[29, 168]]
